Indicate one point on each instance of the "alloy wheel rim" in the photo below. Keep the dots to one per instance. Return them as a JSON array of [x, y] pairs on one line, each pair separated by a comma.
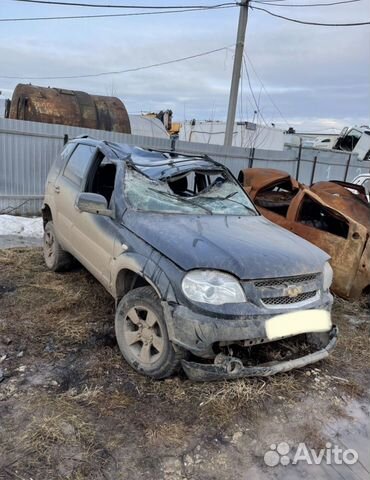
[[143, 335], [49, 246]]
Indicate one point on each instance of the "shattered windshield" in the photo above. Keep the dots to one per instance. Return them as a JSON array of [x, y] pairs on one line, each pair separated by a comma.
[[198, 193]]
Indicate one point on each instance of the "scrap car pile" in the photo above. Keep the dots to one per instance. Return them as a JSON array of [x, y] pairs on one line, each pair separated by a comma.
[[334, 216]]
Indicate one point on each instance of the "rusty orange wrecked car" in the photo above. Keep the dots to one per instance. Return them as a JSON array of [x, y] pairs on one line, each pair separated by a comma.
[[334, 216]]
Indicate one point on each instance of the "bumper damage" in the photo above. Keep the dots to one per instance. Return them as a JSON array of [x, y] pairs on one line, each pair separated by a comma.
[[226, 367]]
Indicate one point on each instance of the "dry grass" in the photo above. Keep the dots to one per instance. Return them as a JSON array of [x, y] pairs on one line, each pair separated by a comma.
[[56, 435], [63, 306], [106, 403], [168, 434], [59, 422], [87, 396], [353, 320], [68, 329]]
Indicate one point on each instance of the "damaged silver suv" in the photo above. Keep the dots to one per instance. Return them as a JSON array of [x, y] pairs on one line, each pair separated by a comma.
[[201, 280]]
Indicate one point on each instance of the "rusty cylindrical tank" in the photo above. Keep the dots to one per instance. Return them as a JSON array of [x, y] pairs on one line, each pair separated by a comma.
[[68, 107]]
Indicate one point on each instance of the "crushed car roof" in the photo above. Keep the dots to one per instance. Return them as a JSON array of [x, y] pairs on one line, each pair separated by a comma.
[[342, 199], [159, 164], [261, 178]]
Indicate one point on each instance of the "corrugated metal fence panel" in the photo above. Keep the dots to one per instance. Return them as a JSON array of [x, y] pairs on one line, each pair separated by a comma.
[[328, 165], [318, 165], [310, 162], [26, 156], [284, 160], [27, 149], [237, 158]]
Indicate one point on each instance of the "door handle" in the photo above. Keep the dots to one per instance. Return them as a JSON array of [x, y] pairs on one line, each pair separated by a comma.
[[57, 189]]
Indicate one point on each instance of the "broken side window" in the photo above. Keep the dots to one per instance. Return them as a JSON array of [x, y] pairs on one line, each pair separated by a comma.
[[350, 140], [191, 193], [102, 178], [315, 215], [277, 198]]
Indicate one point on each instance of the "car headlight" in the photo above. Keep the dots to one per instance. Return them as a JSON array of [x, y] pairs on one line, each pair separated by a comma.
[[211, 286], [327, 276]]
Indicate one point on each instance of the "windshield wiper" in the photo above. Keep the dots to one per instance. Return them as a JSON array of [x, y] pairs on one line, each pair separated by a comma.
[[182, 199], [230, 195]]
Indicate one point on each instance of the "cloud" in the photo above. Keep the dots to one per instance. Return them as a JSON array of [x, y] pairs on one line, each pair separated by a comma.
[[316, 76]]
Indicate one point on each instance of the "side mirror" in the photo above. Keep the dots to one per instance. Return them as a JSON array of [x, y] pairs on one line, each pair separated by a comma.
[[93, 203]]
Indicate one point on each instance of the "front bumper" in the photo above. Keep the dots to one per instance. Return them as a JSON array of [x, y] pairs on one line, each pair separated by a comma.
[[198, 333], [232, 367]]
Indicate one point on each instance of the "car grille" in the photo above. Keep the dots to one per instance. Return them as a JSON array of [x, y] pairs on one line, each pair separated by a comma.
[[276, 282], [288, 300], [279, 292]]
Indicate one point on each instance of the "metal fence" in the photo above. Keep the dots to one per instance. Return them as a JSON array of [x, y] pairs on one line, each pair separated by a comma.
[[27, 150], [308, 165]]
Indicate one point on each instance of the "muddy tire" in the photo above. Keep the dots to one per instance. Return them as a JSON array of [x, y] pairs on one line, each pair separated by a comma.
[[142, 335], [55, 257]]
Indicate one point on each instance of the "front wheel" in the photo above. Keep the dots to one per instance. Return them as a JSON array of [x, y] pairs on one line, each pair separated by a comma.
[[142, 334]]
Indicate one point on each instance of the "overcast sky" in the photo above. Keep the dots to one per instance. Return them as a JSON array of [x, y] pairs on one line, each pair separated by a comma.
[[318, 77]]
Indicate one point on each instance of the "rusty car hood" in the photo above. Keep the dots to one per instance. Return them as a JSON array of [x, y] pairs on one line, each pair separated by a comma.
[[249, 247]]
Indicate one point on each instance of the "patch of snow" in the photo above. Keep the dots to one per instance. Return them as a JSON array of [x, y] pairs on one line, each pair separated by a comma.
[[21, 226]]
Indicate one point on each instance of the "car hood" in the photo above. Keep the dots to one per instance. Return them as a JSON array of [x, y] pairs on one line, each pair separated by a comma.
[[248, 247]]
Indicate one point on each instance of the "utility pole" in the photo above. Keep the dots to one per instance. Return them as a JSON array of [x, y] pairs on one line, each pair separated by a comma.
[[239, 48]]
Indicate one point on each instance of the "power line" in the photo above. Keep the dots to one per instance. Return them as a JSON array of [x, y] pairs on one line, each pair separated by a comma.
[[252, 93], [267, 93], [356, 24], [112, 15], [144, 7], [304, 4], [117, 72]]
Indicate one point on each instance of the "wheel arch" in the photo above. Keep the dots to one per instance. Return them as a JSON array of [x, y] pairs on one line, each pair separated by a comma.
[[133, 271], [47, 215], [128, 279]]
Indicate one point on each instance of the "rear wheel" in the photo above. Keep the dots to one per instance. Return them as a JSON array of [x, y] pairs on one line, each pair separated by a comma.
[[55, 257], [142, 334]]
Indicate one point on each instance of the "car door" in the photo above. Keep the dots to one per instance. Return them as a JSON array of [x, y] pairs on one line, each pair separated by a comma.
[[93, 234], [66, 188]]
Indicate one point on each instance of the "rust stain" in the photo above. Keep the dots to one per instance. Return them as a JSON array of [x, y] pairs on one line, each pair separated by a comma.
[[69, 107]]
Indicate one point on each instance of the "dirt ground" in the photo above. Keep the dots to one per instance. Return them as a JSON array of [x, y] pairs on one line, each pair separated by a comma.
[[71, 408]]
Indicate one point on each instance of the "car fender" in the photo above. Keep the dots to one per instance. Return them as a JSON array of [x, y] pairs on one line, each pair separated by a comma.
[[147, 268]]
